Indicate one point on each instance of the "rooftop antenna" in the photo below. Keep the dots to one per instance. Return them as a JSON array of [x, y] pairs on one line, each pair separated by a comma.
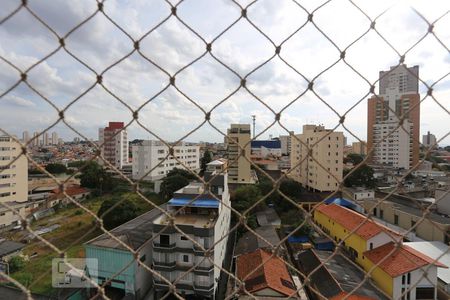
[[254, 124]]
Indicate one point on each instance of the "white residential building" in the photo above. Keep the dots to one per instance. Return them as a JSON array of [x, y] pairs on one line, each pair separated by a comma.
[[202, 218], [398, 98], [13, 178], [114, 141], [285, 141], [25, 137], [54, 140], [151, 160]]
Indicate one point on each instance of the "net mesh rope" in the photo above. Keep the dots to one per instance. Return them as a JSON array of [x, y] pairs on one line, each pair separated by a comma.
[[61, 114]]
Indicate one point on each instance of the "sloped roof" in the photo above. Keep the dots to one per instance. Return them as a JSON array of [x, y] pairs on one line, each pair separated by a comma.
[[345, 295], [402, 260], [350, 220], [272, 274], [7, 247]]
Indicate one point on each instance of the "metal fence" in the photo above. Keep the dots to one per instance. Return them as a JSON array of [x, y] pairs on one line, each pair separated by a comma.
[[243, 14]]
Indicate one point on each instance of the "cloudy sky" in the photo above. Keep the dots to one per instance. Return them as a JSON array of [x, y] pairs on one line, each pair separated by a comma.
[[99, 44]]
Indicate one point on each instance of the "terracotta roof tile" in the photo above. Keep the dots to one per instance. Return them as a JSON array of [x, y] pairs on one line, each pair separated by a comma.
[[273, 274], [351, 219], [403, 259], [345, 295]]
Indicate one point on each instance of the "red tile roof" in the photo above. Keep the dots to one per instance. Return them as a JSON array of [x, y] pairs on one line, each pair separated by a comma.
[[403, 259], [350, 220], [345, 295], [273, 274]]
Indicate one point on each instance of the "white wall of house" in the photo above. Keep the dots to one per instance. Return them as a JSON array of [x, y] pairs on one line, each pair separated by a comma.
[[416, 282]]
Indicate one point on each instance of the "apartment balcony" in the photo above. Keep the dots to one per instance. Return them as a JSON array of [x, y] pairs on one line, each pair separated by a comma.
[[205, 289], [166, 247]]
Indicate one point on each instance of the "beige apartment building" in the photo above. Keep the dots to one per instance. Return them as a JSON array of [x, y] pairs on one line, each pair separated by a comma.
[[404, 215], [13, 178], [359, 148], [324, 172], [238, 137]]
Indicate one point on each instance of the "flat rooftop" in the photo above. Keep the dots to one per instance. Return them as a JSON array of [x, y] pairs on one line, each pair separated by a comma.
[[196, 220], [134, 233]]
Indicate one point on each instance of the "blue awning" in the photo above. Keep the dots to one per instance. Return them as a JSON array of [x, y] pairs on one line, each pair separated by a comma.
[[206, 203]]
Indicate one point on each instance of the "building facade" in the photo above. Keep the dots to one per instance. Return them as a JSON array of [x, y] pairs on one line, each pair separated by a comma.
[[238, 138], [151, 159], [13, 180], [285, 141], [202, 218], [429, 140], [398, 98], [359, 148], [114, 144], [324, 172], [266, 148], [13, 173]]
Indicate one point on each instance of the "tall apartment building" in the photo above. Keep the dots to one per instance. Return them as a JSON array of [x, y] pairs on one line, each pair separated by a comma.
[[202, 218], [429, 140], [54, 140], [285, 144], [149, 154], [45, 139], [238, 137], [398, 96], [13, 175], [114, 141], [35, 139], [359, 148], [25, 137], [327, 148]]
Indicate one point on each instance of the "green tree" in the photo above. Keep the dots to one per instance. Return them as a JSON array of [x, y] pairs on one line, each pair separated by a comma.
[[204, 161], [362, 176], [171, 184], [244, 197], [123, 212], [182, 172], [291, 188], [95, 176], [56, 168], [76, 164], [354, 158], [16, 263], [265, 188]]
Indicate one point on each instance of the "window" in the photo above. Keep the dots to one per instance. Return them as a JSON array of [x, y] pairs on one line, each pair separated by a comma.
[[164, 240], [186, 258], [375, 211], [183, 238], [409, 278], [396, 219], [381, 214], [413, 223], [143, 257], [371, 246]]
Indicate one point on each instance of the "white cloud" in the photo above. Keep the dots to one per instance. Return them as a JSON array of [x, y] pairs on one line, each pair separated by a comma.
[[172, 46]]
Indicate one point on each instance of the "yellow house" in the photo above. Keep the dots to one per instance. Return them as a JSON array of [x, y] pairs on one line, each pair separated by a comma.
[[338, 221], [402, 272], [399, 269]]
